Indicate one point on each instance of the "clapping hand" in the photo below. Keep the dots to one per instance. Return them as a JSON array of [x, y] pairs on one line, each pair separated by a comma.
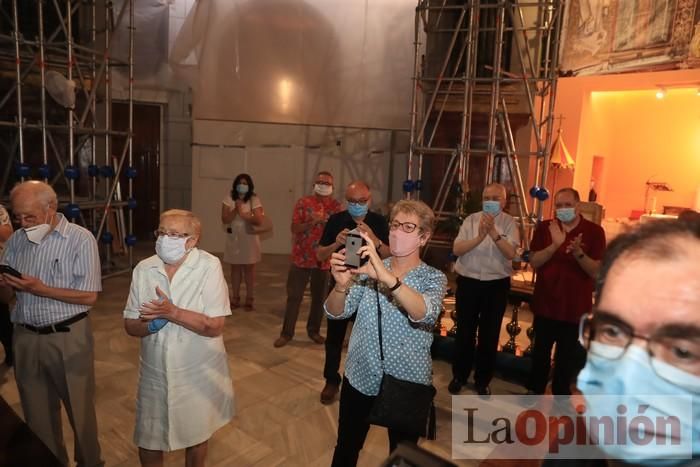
[[486, 225], [557, 233], [489, 225], [575, 246], [160, 307], [317, 217]]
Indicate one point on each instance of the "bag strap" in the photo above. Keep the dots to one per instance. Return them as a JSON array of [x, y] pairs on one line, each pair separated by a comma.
[[379, 325]]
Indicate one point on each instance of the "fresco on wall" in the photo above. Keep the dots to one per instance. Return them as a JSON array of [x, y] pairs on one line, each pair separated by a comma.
[[607, 36]]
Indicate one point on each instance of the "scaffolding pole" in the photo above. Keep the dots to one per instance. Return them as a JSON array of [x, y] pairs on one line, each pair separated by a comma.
[[473, 40], [80, 50]]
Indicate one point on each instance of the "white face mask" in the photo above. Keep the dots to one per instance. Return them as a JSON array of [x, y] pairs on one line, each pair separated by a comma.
[[37, 233], [323, 190], [171, 249]]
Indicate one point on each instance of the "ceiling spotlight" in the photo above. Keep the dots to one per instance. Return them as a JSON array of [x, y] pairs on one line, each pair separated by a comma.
[[661, 93]]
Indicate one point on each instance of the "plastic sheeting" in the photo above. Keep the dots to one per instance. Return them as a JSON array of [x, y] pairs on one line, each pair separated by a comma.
[[150, 39], [323, 62], [283, 161]]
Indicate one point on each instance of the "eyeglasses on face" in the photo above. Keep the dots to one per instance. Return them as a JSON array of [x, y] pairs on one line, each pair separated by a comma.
[[666, 348], [408, 227], [357, 201], [323, 182], [29, 218], [169, 233]]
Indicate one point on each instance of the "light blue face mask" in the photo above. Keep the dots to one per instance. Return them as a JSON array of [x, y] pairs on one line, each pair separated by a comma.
[[241, 189], [566, 215], [631, 381], [357, 209], [491, 207]]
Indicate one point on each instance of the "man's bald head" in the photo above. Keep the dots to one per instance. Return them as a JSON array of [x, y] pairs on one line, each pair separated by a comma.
[[358, 192], [39, 192], [34, 203]]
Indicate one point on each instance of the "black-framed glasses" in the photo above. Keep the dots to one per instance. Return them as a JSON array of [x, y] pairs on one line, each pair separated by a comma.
[[160, 232], [323, 182], [670, 348], [357, 201], [408, 227]]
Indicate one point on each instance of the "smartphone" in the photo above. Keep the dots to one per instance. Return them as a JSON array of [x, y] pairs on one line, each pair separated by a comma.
[[5, 269], [353, 243]]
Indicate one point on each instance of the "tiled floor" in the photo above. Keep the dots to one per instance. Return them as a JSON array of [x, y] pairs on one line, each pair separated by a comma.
[[279, 419]]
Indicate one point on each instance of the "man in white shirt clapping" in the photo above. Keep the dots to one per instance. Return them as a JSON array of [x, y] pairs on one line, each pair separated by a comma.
[[485, 246]]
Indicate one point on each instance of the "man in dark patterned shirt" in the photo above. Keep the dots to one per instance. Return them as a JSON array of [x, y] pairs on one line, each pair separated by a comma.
[[308, 220]]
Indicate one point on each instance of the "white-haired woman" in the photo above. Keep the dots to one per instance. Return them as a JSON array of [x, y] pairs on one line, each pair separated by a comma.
[[177, 304], [410, 294]]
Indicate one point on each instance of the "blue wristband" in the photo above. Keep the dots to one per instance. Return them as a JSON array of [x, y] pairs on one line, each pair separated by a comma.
[[156, 325]]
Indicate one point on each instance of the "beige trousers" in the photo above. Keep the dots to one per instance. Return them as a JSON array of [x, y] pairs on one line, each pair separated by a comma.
[[55, 368]]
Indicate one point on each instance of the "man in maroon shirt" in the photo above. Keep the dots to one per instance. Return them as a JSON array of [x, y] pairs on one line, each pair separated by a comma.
[[310, 215], [566, 254]]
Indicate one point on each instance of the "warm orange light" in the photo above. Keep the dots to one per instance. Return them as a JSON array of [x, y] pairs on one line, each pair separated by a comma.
[[661, 93]]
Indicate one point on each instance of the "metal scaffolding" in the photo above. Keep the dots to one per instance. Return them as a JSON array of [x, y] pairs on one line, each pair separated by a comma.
[[485, 64], [74, 65]]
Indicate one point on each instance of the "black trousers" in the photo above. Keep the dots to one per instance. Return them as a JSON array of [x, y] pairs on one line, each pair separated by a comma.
[[335, 336], [569, 356], [353, 427], [480, 304], [6, 329]]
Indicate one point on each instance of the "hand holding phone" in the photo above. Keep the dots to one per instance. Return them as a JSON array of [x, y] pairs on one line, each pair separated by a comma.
[[353, 242], [9, 270]]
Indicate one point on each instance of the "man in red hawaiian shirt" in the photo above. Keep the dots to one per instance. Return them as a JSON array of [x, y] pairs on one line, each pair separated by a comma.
[[308, 220]]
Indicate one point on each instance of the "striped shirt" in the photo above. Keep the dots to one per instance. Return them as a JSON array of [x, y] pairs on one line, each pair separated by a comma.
[[66, 258]]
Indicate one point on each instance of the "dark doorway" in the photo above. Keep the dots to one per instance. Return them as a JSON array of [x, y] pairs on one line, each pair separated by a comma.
[[146, 161]]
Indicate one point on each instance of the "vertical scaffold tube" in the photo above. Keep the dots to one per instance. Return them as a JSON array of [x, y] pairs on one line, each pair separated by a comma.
[[18, 71], [42, 69]]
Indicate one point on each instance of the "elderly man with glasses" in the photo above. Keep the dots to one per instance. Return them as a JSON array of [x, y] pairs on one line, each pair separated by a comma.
[[53, 343], [643, 342], [485, 246], [177, 304], [356, 216]]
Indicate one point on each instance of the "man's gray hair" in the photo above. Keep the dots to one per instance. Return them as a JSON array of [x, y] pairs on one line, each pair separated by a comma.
[[42, 192], [500, 186]]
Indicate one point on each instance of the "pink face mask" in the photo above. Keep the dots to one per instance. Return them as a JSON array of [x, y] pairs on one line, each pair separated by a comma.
[[402, 243]]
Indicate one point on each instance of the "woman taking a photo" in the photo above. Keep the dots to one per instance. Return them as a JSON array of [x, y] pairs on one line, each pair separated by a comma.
[[410, 295], [240, 211]]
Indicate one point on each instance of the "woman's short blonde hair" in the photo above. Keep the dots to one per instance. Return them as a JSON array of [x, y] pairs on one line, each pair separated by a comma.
[[193, 221], [420, 209]]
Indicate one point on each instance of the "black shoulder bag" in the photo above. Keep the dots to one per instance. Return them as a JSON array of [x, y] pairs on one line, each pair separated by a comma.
[[402, 405]]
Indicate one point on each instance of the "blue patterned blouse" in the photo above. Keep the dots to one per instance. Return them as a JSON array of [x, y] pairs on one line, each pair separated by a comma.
[[406, 342]]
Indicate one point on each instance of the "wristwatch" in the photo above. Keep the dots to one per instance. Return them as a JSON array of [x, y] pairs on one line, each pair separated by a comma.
[[395, 286]]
